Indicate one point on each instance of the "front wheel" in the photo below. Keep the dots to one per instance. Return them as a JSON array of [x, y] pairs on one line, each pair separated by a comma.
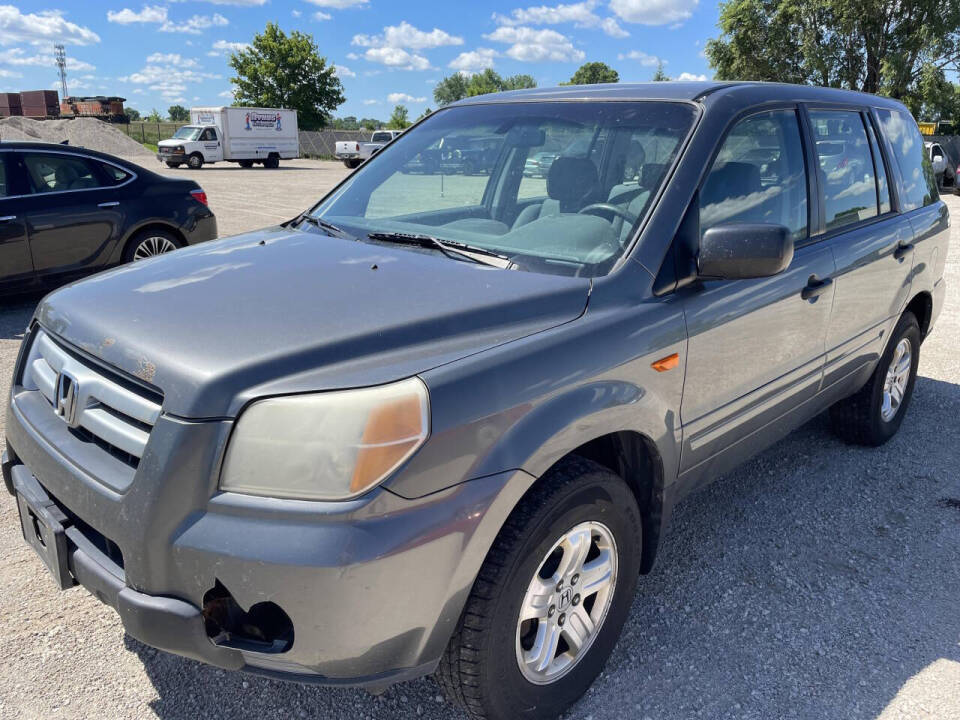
[[173, 164], [246, 163], [551, 597], [195, 161], [873, 415]]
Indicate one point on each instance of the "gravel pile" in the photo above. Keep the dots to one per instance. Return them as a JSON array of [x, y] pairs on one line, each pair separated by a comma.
[[82, 132]]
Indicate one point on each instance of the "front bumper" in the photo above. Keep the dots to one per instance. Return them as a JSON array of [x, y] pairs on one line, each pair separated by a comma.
[[373, 587]]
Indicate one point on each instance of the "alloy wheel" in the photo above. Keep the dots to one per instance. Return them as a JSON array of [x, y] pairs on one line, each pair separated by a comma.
[[898, 376], [152, 246], [566, 602]]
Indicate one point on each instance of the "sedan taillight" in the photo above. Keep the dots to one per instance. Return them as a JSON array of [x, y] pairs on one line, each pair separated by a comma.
[[199, 195]]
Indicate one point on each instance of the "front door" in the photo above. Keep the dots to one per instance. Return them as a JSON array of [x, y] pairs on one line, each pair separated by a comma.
[[756, 347], [15, 263], [212, 144], [74, 218]]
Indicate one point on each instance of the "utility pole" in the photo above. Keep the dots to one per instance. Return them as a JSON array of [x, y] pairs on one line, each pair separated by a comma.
[[60, 54]]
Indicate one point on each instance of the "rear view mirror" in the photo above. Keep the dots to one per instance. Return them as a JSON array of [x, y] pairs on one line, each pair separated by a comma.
[[525, 136], [744, 250]]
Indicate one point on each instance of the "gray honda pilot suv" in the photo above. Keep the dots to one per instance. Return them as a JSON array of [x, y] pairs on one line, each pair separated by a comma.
[[438, 422]]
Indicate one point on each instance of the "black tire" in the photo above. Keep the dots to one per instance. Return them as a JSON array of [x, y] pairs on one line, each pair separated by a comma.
[[130, 251], [480, 669], [272, 162], [245, 163], [352, 164], [195, 161], [173, 164], [858, 419]]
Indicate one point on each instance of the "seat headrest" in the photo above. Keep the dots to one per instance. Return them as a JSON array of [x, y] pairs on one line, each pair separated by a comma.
[[650, 174], [731, 180], [64, 175], [572, 180]]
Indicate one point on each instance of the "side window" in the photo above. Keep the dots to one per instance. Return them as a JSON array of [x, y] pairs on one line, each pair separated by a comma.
[[845, 165], [919, 187], [114, 174], [208, 135], [883, 189], [758, 176], [48, 172]]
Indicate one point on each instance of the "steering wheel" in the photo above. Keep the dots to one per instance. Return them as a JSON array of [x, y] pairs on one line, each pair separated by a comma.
[[597, 208]]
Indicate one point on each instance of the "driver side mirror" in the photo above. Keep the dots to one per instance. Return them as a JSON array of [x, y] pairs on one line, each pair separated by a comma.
[[744, 250]]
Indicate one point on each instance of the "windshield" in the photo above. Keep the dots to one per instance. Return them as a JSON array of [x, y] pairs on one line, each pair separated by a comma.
[[557, 187], [187, 132]]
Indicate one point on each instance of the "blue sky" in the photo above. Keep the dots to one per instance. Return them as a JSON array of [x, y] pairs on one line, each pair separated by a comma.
[[164, 52]]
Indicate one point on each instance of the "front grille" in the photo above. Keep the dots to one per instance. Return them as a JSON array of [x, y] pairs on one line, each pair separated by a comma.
[[115, 415]]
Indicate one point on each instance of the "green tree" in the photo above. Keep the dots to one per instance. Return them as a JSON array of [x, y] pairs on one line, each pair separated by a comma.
[[132, 114], [370, 123], [592, 73], [400, 118], [519, 82], [450, 89], [660, 75], [424, 114], [280, 70], [485, 82], [178, 113], [155, 116], [876, 46]]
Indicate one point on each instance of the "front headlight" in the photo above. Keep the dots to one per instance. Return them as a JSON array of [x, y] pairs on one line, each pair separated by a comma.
[[326, 446]]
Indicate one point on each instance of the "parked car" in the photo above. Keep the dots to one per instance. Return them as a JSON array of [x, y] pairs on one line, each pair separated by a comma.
[[944, 167], [66, 212], [376, 441], [352, 152], [244, 135], [539, 164]]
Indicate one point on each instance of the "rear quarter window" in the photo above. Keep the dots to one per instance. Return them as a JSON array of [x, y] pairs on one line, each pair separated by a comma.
[[918, 186]]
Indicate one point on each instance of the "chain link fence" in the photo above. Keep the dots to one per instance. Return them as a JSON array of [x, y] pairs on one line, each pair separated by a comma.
[[322, 143], [145, 131]]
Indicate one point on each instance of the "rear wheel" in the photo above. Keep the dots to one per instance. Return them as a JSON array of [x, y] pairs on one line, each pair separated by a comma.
[[246, 163], [272, 162], [150, 243], [352, 164], [551, 598], [173, 164], [195, 161], [873, 415]]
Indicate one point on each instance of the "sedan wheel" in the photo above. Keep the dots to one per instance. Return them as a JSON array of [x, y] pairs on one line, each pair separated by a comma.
[[152, 246], [898, 375]]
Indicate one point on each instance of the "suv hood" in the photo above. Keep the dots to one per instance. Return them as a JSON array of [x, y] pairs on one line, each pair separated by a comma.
[[280, 310]]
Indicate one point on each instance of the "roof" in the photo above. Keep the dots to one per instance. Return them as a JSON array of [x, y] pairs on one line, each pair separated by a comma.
[[61, 147], [676, 90]]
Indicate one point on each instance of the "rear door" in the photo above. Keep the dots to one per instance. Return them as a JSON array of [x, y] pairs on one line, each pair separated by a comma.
[[756, 347], [15, 263], [869, 240], [74, 210]]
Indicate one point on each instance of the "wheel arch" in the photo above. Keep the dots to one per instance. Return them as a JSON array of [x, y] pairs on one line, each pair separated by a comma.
[[921, 305], [143, 227]]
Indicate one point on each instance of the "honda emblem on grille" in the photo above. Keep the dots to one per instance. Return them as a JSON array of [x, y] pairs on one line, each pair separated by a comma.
[[66, 398]]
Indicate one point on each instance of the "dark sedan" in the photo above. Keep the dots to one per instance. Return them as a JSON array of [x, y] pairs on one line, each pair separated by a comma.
[[67, 211]]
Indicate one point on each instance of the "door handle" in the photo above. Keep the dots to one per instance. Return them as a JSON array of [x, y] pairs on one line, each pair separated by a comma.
[[8, 218], [112, 203], [903, 250], [815, 287]]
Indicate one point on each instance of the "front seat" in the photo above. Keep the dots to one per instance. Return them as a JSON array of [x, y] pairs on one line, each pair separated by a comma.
[[572, 183], [64, 177]]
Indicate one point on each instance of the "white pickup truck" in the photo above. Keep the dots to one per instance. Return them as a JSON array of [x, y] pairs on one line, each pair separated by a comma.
[[353, 152], [243, 135]]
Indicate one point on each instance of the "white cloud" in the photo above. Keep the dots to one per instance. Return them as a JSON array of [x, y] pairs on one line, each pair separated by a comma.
[[10, 73], [238, 3], [41, 28], [690, 76], [222, 47], [320, 16], [226, 94], [338, 4], [16, 56], [167, 79], [174, 59], [581, 14], [397, 58], [195, 25], [371, 102], [296, 13], [641, 57], [474, 61], [149, 14], [352, 56], [406, 35], [529, 45], [342, 71], [404, 98], [653, 12]]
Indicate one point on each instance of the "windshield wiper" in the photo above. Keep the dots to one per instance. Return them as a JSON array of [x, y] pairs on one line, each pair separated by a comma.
[[327, 227], [450, 248]]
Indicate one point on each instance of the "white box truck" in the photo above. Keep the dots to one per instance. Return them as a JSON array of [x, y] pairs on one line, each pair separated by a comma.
[[243, 135]]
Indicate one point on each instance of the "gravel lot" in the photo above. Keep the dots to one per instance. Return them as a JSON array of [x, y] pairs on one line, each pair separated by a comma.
[[817, 581]]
